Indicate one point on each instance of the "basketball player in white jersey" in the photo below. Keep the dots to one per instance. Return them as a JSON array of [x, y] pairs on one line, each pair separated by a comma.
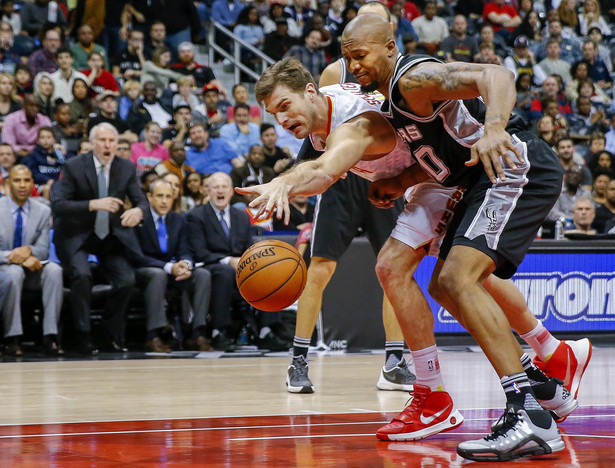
[[357, 139]]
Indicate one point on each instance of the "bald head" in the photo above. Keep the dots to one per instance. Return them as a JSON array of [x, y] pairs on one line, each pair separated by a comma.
[[368, 27]]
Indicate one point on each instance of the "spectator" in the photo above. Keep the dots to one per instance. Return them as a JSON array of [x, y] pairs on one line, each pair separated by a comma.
[[107, 112], [310, 54], [132, 97], [279, 41], [202, 74], [301, 215], [487, 36], [430, 29], [35, 15], [175, 182], [597, 69], [9, 15], [85, 146], [254, 168], [20, 129], [214, 109], [566, 151], [241, 95], [300, 13], [601, 181], [124, 150], [64, 77], [99, 79], [146, 179], [90, 221], [43, 90], [587, 119], [586, 88], [530, 27], [570, 50], [185, 95], [11, 52], [157, 38], [7, 160], [567, 13], [241, 134], [66, 133], [278, 159], [276, 12], [85, 45], [550, 88], [23, 80], [163, 240], [179, 131], [150, 109], [176, 162], [9, 100], [604, 53], [45, 59], [602, 160], [606, 211], [157, 69], [551, 108], [545, 129], [458, 46], [249, 30], [149, 153], [590, 17], [552, 64], [583, 215], [571, 191], [503, 17], [208, 155], [126, 64], [45, 161], [194, 191], [487, 54], [218, 235], [580, 73], [525, 95], [522, 61], [24, 244], [81, 107]]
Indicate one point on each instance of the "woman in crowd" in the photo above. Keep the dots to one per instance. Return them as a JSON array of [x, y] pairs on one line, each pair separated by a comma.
[[194, 191], [158, 69], [175, 182], [9, 100], [249, 29], [82, 105], [602, 160], [240, 94], [530, 27], [147, 154], [590, 16], [602, 178], [545, 128], [568, 16], [43, 89]]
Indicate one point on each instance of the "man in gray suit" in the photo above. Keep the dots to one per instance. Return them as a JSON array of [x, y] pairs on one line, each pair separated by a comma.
[[24, 249]]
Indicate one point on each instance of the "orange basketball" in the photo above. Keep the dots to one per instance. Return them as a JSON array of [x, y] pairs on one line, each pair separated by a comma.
[[271, 275]]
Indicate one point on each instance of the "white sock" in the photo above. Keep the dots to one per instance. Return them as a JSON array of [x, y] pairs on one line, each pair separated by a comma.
[[264, 332], [541, 341], [427, 368]]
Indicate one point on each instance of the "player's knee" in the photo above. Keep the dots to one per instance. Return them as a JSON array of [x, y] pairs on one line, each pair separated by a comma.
[[450, 282], [434, 290], [390, 260], [321, 271]]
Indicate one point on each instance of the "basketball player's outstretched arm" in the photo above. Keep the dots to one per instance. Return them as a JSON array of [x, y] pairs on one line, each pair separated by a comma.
[[367, 134], [431, 82]]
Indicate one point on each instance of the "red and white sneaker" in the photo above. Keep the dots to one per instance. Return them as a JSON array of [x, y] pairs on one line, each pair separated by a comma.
[[427, 414], [568, 363]]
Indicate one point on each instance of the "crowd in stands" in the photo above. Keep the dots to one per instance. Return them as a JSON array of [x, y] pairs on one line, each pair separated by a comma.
[[78, 78]]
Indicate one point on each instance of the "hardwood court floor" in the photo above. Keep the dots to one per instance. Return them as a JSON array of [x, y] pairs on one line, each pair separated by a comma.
[[237, 413]]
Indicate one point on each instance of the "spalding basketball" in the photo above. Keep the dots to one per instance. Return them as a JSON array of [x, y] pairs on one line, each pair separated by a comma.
[[271, 275]]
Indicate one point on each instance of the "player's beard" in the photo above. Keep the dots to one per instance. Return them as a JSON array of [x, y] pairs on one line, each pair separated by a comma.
[[370, 88]]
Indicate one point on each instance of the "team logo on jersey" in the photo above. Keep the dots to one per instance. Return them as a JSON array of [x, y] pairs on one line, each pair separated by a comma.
[[492, 216]]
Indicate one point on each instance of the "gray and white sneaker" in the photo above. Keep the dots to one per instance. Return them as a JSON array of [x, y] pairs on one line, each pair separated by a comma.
[[297, 380], [521, 433], [553, 396], [397, 378]]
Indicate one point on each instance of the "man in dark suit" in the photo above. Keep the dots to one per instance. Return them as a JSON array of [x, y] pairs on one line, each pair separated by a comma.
[[218, 235], [163, 241], [87, 205]]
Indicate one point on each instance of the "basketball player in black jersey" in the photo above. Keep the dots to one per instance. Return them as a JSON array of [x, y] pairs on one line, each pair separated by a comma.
[[452, 116]]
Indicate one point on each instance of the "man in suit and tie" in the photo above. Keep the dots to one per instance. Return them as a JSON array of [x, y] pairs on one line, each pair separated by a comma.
[[218, 235], [163, 240], [24, 249], [89, 218]]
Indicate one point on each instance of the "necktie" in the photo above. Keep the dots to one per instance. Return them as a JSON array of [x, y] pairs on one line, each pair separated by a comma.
[[18, 229], [101, 227], [162, 235], [224, 225]]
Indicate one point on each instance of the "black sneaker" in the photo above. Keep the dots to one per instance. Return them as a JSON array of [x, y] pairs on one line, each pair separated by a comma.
[[297, 380]]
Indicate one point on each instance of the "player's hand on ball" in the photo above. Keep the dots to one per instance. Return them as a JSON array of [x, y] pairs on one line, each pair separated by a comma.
[[271, 196], [383, 193]]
